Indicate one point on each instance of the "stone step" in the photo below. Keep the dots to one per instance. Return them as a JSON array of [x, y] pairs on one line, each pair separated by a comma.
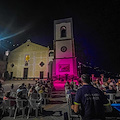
[[58, 92], [57, 96]]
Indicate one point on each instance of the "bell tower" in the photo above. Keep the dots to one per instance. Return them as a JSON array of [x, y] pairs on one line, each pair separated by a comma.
[[65, 60]]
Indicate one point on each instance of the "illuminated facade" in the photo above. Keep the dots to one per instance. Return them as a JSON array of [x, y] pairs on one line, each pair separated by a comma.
[[29, 60], [65, 60]]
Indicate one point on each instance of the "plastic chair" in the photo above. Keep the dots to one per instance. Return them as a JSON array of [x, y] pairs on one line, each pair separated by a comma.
[[21, 104], [9, 105], [13, 94], [1, 93], [71, 112], [2, 107], [34, 96], [25, 93], [34, 104], [67, 98], [111, 96], [45, 98]]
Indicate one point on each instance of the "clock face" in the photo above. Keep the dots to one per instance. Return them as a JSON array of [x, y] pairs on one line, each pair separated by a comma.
[[63, 48]]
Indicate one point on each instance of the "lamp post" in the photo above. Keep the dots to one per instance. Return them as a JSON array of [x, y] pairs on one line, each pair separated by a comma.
[[6, 75]]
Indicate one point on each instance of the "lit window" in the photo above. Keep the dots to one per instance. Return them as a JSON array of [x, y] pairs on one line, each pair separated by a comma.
[[27, 58]]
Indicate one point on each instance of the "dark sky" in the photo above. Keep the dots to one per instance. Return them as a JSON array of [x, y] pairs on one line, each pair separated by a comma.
[[96, 27]]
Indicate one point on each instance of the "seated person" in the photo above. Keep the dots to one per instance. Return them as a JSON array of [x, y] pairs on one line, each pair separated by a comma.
[[46, 88], [33, 94], [97, 84], [72, 82], [75, 86], [20, 96], [42, 92], [104, 87], [19, 88], [67, 83], [7, 97], [32, 90], [71, 90], [42, 89], [111, 87]]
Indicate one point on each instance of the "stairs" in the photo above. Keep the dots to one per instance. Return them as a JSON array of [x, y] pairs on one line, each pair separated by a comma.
[[58, 95]]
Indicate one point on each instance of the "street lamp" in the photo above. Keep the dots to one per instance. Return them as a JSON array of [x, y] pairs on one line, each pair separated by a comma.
[[7, 53], [6, 74]]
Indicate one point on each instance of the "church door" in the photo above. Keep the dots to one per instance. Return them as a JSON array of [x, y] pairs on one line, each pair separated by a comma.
[[25, 75], [11, 75], [41, 74]]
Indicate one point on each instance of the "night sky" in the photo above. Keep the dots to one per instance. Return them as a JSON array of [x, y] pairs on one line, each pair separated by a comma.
[[96, 27]]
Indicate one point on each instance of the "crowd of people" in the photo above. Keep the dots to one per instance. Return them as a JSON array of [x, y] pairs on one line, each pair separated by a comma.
[[107, 85], [88, 91], [92, 95], [40, 91]]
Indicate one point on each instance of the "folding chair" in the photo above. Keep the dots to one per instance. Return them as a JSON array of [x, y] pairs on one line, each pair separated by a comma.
[[25, 93], [1, 107], [13, 94], [1, 93], [111, 96], [67, 98], [9, 105], [21, 104], [71, 113], [44, 98], [34, 104]]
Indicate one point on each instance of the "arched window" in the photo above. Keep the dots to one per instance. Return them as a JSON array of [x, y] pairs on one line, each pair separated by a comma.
[[63, 31], [27, 58]]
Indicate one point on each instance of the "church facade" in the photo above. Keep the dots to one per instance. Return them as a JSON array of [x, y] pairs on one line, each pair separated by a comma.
[[64, 64], [29, 60]]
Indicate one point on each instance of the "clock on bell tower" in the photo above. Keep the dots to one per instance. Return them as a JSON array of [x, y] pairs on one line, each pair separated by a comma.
[[65, 60]]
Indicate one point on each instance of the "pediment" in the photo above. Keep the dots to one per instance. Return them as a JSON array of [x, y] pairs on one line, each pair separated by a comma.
[[30, 47]]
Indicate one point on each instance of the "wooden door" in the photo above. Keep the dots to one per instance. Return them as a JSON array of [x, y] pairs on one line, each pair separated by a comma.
[[25, 75]]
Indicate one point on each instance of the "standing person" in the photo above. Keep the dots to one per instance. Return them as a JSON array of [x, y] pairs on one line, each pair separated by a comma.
[[29, 86], [12, 91], [1, 90], [8, 96], [91, 99], [12, 88]]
